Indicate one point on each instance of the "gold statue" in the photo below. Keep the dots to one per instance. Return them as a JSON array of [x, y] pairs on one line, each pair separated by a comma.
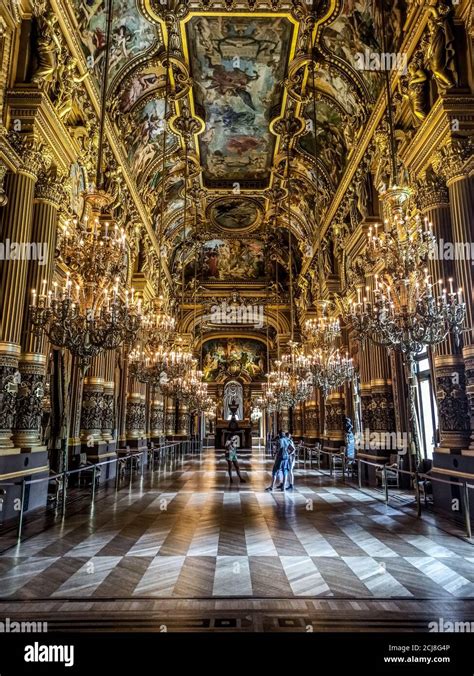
[[48, 45], [441, 53], [413, 87], [67, 85]]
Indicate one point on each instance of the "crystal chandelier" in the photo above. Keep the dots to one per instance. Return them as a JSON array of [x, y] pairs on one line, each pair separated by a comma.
[[158, 324], [290, 382], [330, 369], [322, 330], [95, 312], [406, 311]]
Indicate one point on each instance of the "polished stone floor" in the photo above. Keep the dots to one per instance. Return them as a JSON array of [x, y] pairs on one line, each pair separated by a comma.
[[188, 536]]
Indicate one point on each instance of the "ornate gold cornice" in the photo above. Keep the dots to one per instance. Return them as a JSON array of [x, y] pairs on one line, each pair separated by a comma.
[[455, 160]]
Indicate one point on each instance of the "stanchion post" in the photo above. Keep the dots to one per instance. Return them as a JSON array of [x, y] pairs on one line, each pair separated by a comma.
[[385, 483], [94, 474], [22, 510], [359, 473], [417, 493], [64, 494], [467, 511]]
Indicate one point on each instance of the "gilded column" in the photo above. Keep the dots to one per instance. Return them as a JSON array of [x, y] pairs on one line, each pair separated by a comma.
[[455, 162], [335, 413], [170, 419], [32, 363], [108, 399], [156, 414], [183, 419], [311, 424], [453, 407], [16, 226], [136, 420], [298, 413], [92, 405]]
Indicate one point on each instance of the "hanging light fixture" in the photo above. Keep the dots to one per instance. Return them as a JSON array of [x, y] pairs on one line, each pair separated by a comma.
[[93, 311]]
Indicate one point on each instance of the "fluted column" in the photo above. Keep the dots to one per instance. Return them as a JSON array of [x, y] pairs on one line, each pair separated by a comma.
[[156, 414], [92, 402], [335, 413], [183, 419], [170, 422], [453, 407], [32, 363], [455, 163], [311, 425], [136, 419], [298, 419], [16, 226], [284, 419], [108, 397]]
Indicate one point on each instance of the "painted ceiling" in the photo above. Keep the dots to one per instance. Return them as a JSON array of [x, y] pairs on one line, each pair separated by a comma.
[[238, 63]]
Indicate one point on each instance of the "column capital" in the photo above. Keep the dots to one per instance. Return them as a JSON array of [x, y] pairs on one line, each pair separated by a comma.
[[454, 160], [34, 156], [50, 187], [432, 192]]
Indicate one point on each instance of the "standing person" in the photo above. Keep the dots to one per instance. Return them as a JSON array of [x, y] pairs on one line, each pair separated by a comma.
[[232, 459], [291, 460], [281, 463]]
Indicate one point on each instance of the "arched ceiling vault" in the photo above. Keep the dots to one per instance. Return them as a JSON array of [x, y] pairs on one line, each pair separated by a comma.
[[204, 90]]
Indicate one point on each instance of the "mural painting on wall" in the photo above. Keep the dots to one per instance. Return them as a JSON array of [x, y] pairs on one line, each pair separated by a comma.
[[237, 64], [233, 259], [131, 32], [233, 357]]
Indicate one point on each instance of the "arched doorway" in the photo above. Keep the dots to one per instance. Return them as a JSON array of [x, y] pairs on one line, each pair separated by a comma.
[[233, 390]]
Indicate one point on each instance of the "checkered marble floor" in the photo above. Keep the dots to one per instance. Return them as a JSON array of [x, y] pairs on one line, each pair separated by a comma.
[[189, 533]]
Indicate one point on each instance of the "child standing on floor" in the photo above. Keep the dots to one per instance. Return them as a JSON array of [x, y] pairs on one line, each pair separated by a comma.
[[232, 459]]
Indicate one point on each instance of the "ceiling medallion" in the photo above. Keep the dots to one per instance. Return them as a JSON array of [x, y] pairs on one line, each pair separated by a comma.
[[235, 214]]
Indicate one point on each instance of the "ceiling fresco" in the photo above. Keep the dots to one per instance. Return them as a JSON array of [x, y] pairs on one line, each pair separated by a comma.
[[358, 29], [238, 213], [144, 137], [331, 141], [237, 64], [233, 357], [132, 33]]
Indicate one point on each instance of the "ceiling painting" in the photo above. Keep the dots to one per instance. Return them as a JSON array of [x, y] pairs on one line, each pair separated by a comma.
[[358, 31], [237, 63], [144, 139], [132, 34], [143, 82], [235, 213]]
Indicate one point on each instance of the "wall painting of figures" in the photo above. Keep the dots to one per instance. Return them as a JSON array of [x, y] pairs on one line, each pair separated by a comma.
[[233, 357], [240, 259]]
